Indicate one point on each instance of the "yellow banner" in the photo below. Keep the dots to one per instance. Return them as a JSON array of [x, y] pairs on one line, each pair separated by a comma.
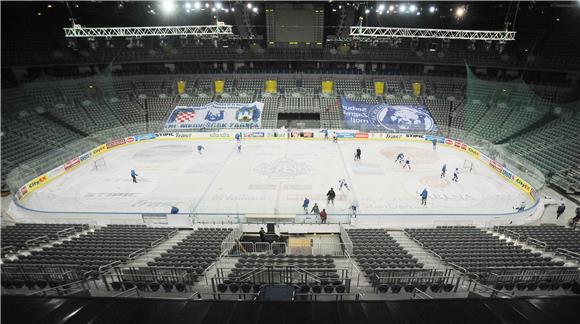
[[181, 87], [271, 86], [416, 89], [379, 88], [219, 86], [327, 86]]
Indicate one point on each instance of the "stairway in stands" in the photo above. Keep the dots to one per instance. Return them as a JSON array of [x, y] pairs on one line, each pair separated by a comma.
[[156, 252]]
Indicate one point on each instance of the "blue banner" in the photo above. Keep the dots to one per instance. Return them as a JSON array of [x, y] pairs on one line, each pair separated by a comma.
[[360, 115], [216, 115]]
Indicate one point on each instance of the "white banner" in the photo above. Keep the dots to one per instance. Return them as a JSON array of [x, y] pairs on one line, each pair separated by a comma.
[[216, 115]]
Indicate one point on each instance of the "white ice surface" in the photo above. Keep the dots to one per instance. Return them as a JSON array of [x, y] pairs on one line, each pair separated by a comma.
[[274, 176]]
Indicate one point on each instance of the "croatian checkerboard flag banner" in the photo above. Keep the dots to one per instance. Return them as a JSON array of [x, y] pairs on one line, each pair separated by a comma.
[[393, 118], [216, 115]]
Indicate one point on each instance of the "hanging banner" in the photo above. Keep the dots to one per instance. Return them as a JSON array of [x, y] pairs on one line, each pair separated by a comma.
[[181, 87], [379, 88], [416, 89], [360, 115], [219, 86], [271, 86], [216, 115], [327, 87]]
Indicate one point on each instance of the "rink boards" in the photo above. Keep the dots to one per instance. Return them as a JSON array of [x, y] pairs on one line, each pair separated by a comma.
[[21, 210]]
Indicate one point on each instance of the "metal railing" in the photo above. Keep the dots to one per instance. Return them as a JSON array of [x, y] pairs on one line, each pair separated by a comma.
[[568, 254], [346, 239]]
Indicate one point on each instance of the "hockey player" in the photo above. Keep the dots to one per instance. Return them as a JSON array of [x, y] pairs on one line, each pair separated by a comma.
[[334, 138], [443, 170], [521, 207], [342, 183], [434, 144], [357, 154], [305, 205], [315, 209], [239, 147], [330, 195], [400, 158], [134, 175], [424, 195], [200, 148], [238, 137], [407, 164], [325, 131], [455, 175]]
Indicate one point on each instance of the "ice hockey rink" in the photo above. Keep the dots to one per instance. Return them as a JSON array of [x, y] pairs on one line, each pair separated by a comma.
[[274, 176]]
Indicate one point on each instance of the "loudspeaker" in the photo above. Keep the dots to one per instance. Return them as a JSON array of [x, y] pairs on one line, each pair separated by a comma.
[[271, 228]]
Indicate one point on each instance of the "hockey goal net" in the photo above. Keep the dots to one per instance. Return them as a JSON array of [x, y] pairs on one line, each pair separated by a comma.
[[100, 164], [467, 166]]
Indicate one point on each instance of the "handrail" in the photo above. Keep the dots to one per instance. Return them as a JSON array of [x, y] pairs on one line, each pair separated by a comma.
[[568, 253], [65, 232], [36, 240], [492, 291], [537, 242], [157, 242], [127, 293], [418, 294], [172, 233], [56, 289], [136, 253], [108, 266]]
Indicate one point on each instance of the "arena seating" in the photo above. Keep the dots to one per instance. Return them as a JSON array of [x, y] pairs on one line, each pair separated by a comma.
[[375, 249], [23, 235], [319, 272], [477, 251], [548, 236], [105, 246], [198, 251]]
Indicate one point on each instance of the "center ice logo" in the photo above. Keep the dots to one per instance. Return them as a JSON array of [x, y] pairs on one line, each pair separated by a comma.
[[283, 169], [214, 115], [401, 118]]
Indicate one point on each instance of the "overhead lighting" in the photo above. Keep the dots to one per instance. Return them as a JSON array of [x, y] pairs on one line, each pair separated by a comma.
[[391, 8], [168, 6], [213, 9], [233, 9], [412, 8], [39, 13], [402, 8], [249, 5], [187, 5], [418, 13], [255, 9], [49, 6], [432, 9], [197, 5], [218, 5], [382, 7], [367, 11], [460, 12], [207, 5]]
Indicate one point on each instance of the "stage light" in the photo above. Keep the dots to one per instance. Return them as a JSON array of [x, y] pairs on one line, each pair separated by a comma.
[[49, 6], [367, 11], [391, 8], [412, 8], [255, 9], [460, 12], [233, 9], [432, 9], [207, 5], [213, 9], [197, 5], [402, 8], [418, 13], [218, 5], [382, 7], [168, 6], [187, 5], [249, 5]]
